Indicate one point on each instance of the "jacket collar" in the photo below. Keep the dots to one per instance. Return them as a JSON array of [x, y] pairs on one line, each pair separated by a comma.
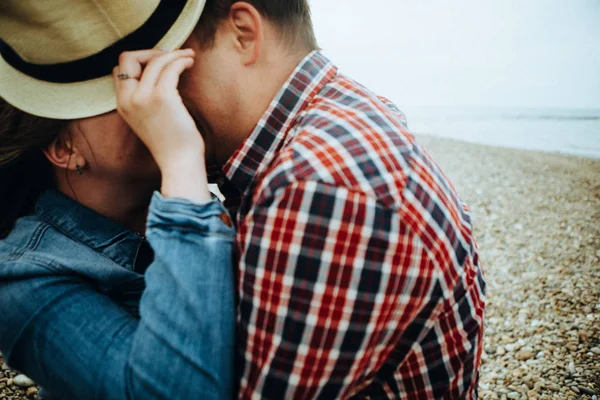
[[91, 229]]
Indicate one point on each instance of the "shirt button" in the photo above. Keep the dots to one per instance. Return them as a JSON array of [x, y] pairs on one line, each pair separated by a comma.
[[226, 220]]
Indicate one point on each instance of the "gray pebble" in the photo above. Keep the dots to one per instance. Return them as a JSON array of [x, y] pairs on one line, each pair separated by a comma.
[[587, 390], [575, 389], [23, 381]]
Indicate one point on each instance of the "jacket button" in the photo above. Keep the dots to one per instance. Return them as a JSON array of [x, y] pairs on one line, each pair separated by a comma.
[[226, 220]]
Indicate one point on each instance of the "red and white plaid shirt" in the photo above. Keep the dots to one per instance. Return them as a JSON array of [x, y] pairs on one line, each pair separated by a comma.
[[358, 272]]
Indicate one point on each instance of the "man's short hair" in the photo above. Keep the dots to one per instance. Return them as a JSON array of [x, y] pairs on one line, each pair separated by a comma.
[[292, 17]]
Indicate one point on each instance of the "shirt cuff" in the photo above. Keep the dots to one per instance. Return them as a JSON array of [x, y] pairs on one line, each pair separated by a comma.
[[186, 216]]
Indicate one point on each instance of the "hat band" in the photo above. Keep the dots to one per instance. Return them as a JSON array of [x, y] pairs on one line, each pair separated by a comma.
[[102, 63]]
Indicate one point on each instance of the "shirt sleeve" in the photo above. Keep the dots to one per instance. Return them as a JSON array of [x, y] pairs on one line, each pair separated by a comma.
[[330, 281], [80, 345]]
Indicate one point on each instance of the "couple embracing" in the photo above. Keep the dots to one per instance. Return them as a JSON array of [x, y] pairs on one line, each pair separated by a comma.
[[341, 264]]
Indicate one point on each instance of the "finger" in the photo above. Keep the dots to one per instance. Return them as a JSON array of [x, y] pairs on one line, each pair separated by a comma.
[[116, 83], [169, 78], [132, 62], [155, 67], [124, 88]]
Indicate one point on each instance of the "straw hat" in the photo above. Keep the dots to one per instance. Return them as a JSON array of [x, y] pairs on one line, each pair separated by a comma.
[[57, 56]]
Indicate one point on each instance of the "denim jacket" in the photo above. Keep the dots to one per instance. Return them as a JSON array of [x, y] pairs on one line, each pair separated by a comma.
[[79, 316]]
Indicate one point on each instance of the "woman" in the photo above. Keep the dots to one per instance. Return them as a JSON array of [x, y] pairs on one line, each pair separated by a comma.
[[73, 261]]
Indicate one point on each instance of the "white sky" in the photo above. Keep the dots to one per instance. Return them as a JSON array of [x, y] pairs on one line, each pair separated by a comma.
[[533, 53]]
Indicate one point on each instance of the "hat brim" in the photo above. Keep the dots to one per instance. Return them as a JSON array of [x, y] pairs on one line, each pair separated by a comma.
[[83, 99]]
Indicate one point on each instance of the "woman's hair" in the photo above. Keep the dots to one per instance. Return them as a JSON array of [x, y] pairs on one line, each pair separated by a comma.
[[25, 171]]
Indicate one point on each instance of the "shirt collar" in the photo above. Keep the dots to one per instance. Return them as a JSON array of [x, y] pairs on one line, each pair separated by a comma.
[[90, 228], [307, 80]]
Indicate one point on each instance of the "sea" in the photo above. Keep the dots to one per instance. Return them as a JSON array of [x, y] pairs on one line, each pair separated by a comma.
[[568, 131]]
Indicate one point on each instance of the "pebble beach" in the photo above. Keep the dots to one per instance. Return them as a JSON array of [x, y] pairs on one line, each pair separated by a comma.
[[537, 221]]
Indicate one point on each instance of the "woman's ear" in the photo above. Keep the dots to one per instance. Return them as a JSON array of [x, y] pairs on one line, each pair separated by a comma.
[[247, 25], [63, 154]]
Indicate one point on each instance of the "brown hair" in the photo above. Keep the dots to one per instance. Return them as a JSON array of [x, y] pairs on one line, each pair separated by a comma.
[[292, 17], [24, 170]]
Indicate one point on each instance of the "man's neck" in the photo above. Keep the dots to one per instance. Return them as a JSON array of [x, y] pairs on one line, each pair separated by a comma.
[[259, 99], [122, 203]]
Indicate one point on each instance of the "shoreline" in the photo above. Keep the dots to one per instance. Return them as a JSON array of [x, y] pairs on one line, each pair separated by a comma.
[[537, 221], [591, 155]]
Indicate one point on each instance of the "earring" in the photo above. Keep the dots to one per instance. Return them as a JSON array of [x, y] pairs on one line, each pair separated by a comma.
[[79, 169]]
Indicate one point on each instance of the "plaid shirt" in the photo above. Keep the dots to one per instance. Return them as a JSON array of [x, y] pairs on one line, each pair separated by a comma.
[[358, 271]]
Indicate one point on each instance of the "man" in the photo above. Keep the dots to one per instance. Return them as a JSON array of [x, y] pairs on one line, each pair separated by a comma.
[[358, 272]]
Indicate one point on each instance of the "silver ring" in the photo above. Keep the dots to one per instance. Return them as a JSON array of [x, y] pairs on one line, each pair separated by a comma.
[[125, 77]]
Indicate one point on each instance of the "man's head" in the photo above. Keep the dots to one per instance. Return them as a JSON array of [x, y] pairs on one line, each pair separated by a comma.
[[245, 51], [291, 17]]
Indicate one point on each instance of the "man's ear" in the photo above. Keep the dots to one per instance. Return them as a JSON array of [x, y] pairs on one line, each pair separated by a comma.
[[247, 25], [63, 154]]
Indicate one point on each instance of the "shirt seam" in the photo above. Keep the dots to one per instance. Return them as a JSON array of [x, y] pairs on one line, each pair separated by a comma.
[[431, 253], [70, 237], [293, 179], [437, 271], [31, 244], [83, 243], [399, 211], [86, 242]]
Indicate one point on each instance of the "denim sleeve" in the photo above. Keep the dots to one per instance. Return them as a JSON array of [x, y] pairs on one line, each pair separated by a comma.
[[80, 345]]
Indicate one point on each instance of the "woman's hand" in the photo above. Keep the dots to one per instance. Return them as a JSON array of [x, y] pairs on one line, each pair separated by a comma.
[[147, 98]]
